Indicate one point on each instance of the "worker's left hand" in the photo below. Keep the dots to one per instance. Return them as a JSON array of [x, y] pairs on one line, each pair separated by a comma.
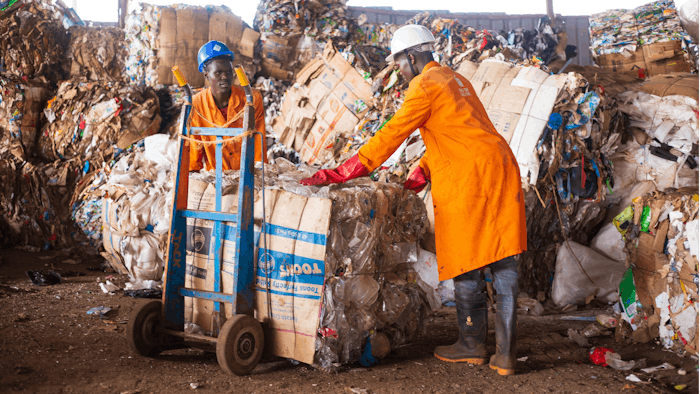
[[351, 169], [416, 181]]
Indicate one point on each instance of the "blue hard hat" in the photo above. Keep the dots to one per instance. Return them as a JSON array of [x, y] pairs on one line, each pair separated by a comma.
[[211, 50]]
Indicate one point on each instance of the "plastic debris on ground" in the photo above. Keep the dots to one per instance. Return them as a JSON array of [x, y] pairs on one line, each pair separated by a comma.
[[661, 367], [597, 355], [633, 378], [144, 293], [41, 279], [108, 287], [99, 311], [648, 40]]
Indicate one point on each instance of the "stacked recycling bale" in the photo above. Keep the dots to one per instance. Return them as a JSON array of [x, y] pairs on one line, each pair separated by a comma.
[[660, 149], [97, 53], [49, 145], [456, 42], [659, 294], [34, 41], [21, 106], [35, 203], [334, 106], [160, 37], [648, 40], [371, 286], [93, 121]]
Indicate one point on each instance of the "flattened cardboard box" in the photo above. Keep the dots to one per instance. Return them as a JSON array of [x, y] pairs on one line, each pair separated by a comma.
[[652, 59], [684, 84], [274, 70], [290, 273], [248, 41], [337, 115], [318, 145], [275, 49]]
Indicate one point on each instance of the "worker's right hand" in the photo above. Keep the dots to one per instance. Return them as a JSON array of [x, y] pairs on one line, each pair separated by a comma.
[[416, 181], [351, 169]]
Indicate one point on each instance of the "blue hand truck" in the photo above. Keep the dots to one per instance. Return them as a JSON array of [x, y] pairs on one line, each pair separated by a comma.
[[156, 326]]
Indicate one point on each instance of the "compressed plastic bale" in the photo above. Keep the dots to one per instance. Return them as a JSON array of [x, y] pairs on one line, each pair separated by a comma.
[[426, 268], [362, 291], [572, 286], [609, 242]]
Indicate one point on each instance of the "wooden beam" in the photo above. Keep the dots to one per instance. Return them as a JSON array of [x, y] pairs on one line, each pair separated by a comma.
[[123, 11], [550, 9]]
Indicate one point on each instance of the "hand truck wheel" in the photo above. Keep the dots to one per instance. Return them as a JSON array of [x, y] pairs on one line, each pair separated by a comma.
[[239, 346], [141, 329]]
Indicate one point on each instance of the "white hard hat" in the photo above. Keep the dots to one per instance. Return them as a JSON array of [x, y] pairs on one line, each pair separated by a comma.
[[409, 37]]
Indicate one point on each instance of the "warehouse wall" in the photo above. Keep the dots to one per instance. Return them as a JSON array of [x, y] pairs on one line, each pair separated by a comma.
[[576, 26]]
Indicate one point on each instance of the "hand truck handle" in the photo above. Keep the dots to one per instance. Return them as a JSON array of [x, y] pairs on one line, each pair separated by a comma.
[[182, 82]]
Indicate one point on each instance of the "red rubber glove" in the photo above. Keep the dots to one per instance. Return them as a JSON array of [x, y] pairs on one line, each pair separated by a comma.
[[351, 169], [416, 181]]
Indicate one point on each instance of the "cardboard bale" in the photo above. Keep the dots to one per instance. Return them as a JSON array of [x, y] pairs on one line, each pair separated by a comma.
[[97, 53], [159, 38], [34, 43], [666, 268], [649, 60], [275, 49], [21, 107], [684, 84], [93, 121], [648, 40], [248, 42], [36, 204]]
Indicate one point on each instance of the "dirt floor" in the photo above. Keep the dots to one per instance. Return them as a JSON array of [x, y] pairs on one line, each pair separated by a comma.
[[49, 344]]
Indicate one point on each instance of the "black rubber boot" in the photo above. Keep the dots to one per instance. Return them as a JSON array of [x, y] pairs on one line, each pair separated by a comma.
[[504, 359], [473, 326]]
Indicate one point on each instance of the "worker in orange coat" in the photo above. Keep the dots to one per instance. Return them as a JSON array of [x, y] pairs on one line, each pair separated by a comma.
[[476, 189], [221, 105]]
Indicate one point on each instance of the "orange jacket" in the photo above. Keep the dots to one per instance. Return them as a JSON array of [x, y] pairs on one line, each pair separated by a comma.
[[205, 112], [477, 195]]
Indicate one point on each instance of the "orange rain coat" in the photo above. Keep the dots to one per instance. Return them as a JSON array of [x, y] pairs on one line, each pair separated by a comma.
[[477, 195], [204, 106]]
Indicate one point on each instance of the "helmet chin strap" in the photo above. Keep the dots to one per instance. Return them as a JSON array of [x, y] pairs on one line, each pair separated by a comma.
[[413, 70]]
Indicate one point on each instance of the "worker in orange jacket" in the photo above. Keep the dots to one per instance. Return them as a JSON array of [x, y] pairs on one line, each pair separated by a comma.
[[221, 105], [478, 199]]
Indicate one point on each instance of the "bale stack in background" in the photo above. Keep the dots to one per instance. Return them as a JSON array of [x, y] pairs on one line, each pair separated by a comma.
[[160, 37], [97, 53], [645, 41], [34, 42]]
